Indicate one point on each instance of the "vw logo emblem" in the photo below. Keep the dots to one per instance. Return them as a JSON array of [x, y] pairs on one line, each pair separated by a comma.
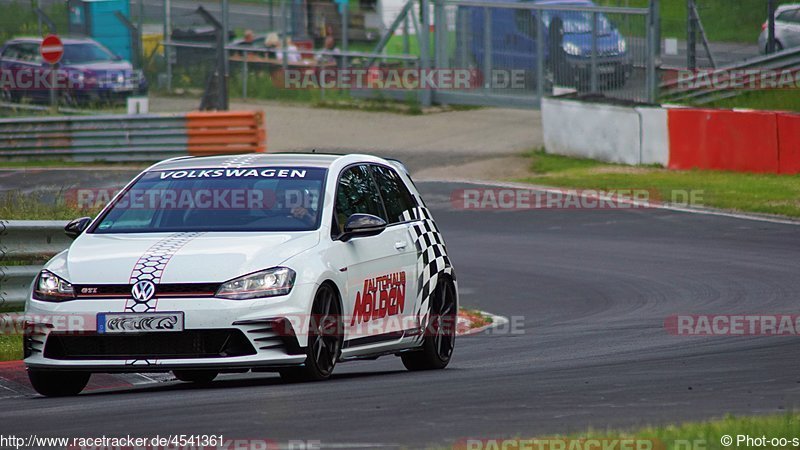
[[143, 290]]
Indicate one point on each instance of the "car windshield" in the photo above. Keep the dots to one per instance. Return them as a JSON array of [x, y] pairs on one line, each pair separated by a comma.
[[86, 53], [578, 22], [219, 199]]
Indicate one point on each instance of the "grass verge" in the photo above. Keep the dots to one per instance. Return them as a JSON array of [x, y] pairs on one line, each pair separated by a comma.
[[10, 348], [754, 193], [10, 345], [722, 22], [772, 100], [18, 206]]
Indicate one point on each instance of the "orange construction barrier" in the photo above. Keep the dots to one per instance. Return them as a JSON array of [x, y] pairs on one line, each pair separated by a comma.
[[789, 143], [214, 133], [723, 140]]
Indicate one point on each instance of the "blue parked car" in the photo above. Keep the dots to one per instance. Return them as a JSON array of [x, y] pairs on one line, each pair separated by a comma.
[[567, 43], [88, 73]]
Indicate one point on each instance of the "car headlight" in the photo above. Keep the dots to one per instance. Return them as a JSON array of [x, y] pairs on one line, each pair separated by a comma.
[[622, 46], [571, 49], [52, 288], [266, 283]]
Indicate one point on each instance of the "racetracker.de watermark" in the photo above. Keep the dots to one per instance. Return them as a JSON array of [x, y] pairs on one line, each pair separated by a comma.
[[212, 198], [27, 79], [733, 324], [404, 79], [374, 320], [551, 198], [157, 442], [558, 443], [743, 79]]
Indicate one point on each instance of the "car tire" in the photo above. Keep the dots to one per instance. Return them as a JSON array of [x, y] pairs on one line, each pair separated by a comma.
[[195, 376], [439, 340], [325, 337], [51, 383], [778, 47]]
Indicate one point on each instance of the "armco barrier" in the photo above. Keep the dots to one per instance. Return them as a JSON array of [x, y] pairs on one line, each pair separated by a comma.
[[620, 134], [131, 137], [26, 240], [743, 141], [789, 143], [225, 132]]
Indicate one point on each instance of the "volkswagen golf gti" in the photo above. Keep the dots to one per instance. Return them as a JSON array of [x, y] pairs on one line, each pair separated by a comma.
[[266, 262]]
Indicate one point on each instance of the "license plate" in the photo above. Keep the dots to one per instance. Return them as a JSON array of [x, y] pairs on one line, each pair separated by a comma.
[[122, 88], [606, 69], [139, 322]]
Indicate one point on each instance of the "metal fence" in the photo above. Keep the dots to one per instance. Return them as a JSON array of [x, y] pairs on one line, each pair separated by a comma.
[[23, 243], [525, 51], [515, 52]]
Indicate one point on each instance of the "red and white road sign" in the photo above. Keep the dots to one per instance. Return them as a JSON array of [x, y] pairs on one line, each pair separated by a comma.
[[52, 49]]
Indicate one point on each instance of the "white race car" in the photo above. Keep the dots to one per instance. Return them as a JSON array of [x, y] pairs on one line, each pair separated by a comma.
[[263, 262]]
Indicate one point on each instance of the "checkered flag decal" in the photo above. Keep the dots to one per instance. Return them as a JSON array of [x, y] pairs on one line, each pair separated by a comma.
[[432, 260]]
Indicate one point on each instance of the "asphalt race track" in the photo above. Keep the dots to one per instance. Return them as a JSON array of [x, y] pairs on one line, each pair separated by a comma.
[[592, 288]]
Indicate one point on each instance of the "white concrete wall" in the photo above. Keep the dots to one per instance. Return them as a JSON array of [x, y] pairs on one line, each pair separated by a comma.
[[609, 133], [655, 136]]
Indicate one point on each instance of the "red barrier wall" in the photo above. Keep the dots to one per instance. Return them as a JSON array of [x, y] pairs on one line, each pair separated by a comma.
[[789, 143], [723, 140]]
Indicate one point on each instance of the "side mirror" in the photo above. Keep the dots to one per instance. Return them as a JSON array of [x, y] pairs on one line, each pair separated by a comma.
[[77, 226], [362, 225]]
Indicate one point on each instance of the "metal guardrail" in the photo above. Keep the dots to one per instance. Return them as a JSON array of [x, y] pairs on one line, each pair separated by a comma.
[[132, 137], [26, 241], [41, 108], [672, 91]]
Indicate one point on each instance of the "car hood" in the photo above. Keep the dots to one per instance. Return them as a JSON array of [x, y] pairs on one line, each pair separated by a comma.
[[183, 257], [104, 66]]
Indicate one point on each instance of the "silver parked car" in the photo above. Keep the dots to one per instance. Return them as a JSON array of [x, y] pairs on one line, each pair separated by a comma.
[[787, 28]]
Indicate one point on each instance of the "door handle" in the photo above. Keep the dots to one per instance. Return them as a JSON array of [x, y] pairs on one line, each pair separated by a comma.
[[399, 245]]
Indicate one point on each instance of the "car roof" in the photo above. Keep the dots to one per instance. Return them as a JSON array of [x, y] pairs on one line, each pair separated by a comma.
[[38, 40], [321, 160], [782, 8]]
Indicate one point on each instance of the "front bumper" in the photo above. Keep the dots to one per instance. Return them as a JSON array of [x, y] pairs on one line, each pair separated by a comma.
[[271, 333], [606, 65]]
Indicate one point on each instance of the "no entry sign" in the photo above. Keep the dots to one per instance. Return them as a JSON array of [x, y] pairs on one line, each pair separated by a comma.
[[52, 49]]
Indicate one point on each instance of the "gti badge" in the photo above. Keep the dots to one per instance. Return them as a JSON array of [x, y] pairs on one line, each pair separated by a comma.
[[143, 290]]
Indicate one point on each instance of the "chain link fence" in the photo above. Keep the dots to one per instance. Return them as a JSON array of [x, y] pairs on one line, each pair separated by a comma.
[[510, 53], [526, 50]]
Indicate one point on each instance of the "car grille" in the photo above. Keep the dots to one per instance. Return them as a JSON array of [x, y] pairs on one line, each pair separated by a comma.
[[166, 290], [220, 343], [272, 334]]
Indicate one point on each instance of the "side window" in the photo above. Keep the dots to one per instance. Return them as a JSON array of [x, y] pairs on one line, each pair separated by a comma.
[[28, 53], [396, 196], [11, 52], [788, 16], [356, 194]]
